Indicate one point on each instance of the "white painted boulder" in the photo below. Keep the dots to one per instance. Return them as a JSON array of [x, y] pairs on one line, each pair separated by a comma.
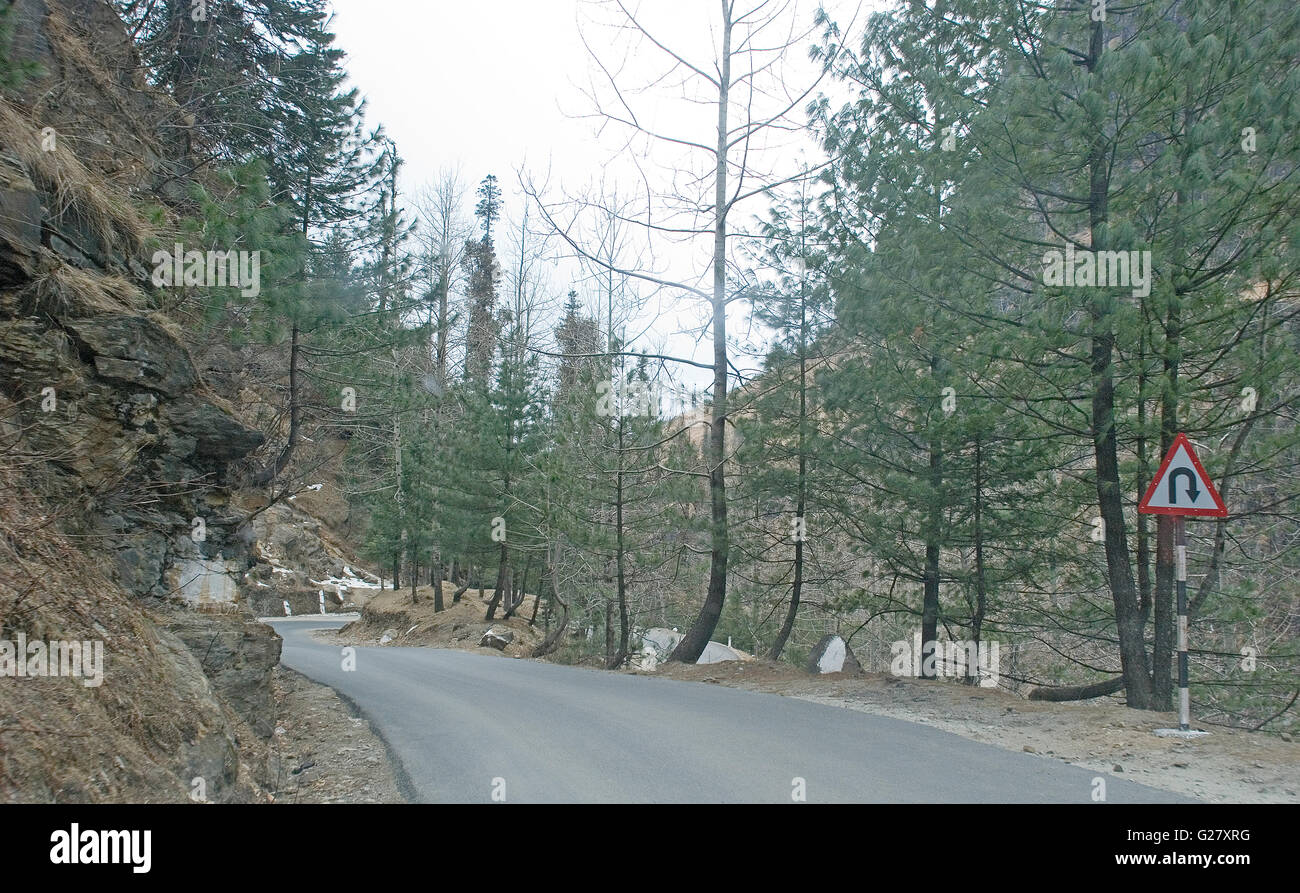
[[833, 655], [716, 653]]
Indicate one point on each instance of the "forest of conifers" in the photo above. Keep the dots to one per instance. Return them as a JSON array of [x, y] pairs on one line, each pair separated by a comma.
[[937, 434]]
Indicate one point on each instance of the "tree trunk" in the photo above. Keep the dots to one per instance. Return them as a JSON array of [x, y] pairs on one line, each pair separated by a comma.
[[609, 631], [620, 570], [503, 580], [981, 583], [1144, 478], [800, 506], [272, 471], [1076, 692], [692, 645], [537, 600], [436, 582], [930, 597], [521, 590], [552, 640], [443, 291], [1119, 569]]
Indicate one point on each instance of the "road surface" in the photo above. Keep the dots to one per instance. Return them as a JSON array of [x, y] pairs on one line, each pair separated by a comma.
[[466, 727]]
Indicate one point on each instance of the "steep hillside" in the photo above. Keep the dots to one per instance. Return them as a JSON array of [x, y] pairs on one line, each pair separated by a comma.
[[116, 524]]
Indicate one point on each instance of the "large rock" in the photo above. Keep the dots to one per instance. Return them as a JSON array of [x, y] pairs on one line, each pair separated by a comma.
[[497, 638], [833, 655], [660, 641], [20, 224], [218, 436], [716, 653], [238, 656], [134, 350]]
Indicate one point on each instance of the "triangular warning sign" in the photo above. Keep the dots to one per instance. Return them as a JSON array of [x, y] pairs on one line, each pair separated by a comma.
[[1181, 486]]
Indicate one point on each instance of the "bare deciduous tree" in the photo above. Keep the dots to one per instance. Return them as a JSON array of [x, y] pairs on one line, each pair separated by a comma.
[[745, 84], [444, 231]]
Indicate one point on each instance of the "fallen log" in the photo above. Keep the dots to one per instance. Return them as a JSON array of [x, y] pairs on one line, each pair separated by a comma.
[[1076, 692]]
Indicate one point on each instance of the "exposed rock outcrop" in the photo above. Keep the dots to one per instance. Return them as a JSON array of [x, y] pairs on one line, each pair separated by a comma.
[[116, 523]]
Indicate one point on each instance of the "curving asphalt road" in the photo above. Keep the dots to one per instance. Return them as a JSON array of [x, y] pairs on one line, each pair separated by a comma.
[[466, 726]]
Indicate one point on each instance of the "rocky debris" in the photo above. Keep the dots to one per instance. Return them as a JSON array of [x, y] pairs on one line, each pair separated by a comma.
[[354, 768], [295, 560], [833, 655], [497, 638]]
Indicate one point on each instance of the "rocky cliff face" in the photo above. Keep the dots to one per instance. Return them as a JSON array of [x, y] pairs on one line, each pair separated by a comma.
[[114, 455]]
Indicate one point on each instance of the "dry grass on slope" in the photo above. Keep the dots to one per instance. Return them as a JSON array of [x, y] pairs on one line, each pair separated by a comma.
[[74, 190], [124, 740]]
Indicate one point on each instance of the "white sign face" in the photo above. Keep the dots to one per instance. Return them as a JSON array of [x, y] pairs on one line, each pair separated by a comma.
[[1182, 487]]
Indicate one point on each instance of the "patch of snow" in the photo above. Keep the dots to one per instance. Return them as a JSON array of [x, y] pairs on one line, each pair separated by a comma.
[[349, 572], [340, 584]]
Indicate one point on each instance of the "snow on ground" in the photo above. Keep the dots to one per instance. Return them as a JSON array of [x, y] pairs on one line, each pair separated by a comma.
[[345, 583], [310, 489]]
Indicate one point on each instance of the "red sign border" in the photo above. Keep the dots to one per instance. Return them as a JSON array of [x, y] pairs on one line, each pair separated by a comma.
[[1220, 512]]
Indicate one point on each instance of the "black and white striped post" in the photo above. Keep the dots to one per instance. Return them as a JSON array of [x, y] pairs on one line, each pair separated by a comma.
[[1180, 488], [1184, 696]]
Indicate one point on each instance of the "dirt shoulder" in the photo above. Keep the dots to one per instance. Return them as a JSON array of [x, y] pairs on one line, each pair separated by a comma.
[[1228, 766], [322, 751]]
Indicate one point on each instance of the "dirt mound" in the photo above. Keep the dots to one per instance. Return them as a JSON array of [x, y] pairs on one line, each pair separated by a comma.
[[460, 625]]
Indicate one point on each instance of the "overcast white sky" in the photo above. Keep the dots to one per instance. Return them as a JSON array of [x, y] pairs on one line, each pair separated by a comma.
[[495, 86]]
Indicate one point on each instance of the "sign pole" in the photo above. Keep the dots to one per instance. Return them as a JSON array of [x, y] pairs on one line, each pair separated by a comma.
[[1184, 699], [1181, 488]]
